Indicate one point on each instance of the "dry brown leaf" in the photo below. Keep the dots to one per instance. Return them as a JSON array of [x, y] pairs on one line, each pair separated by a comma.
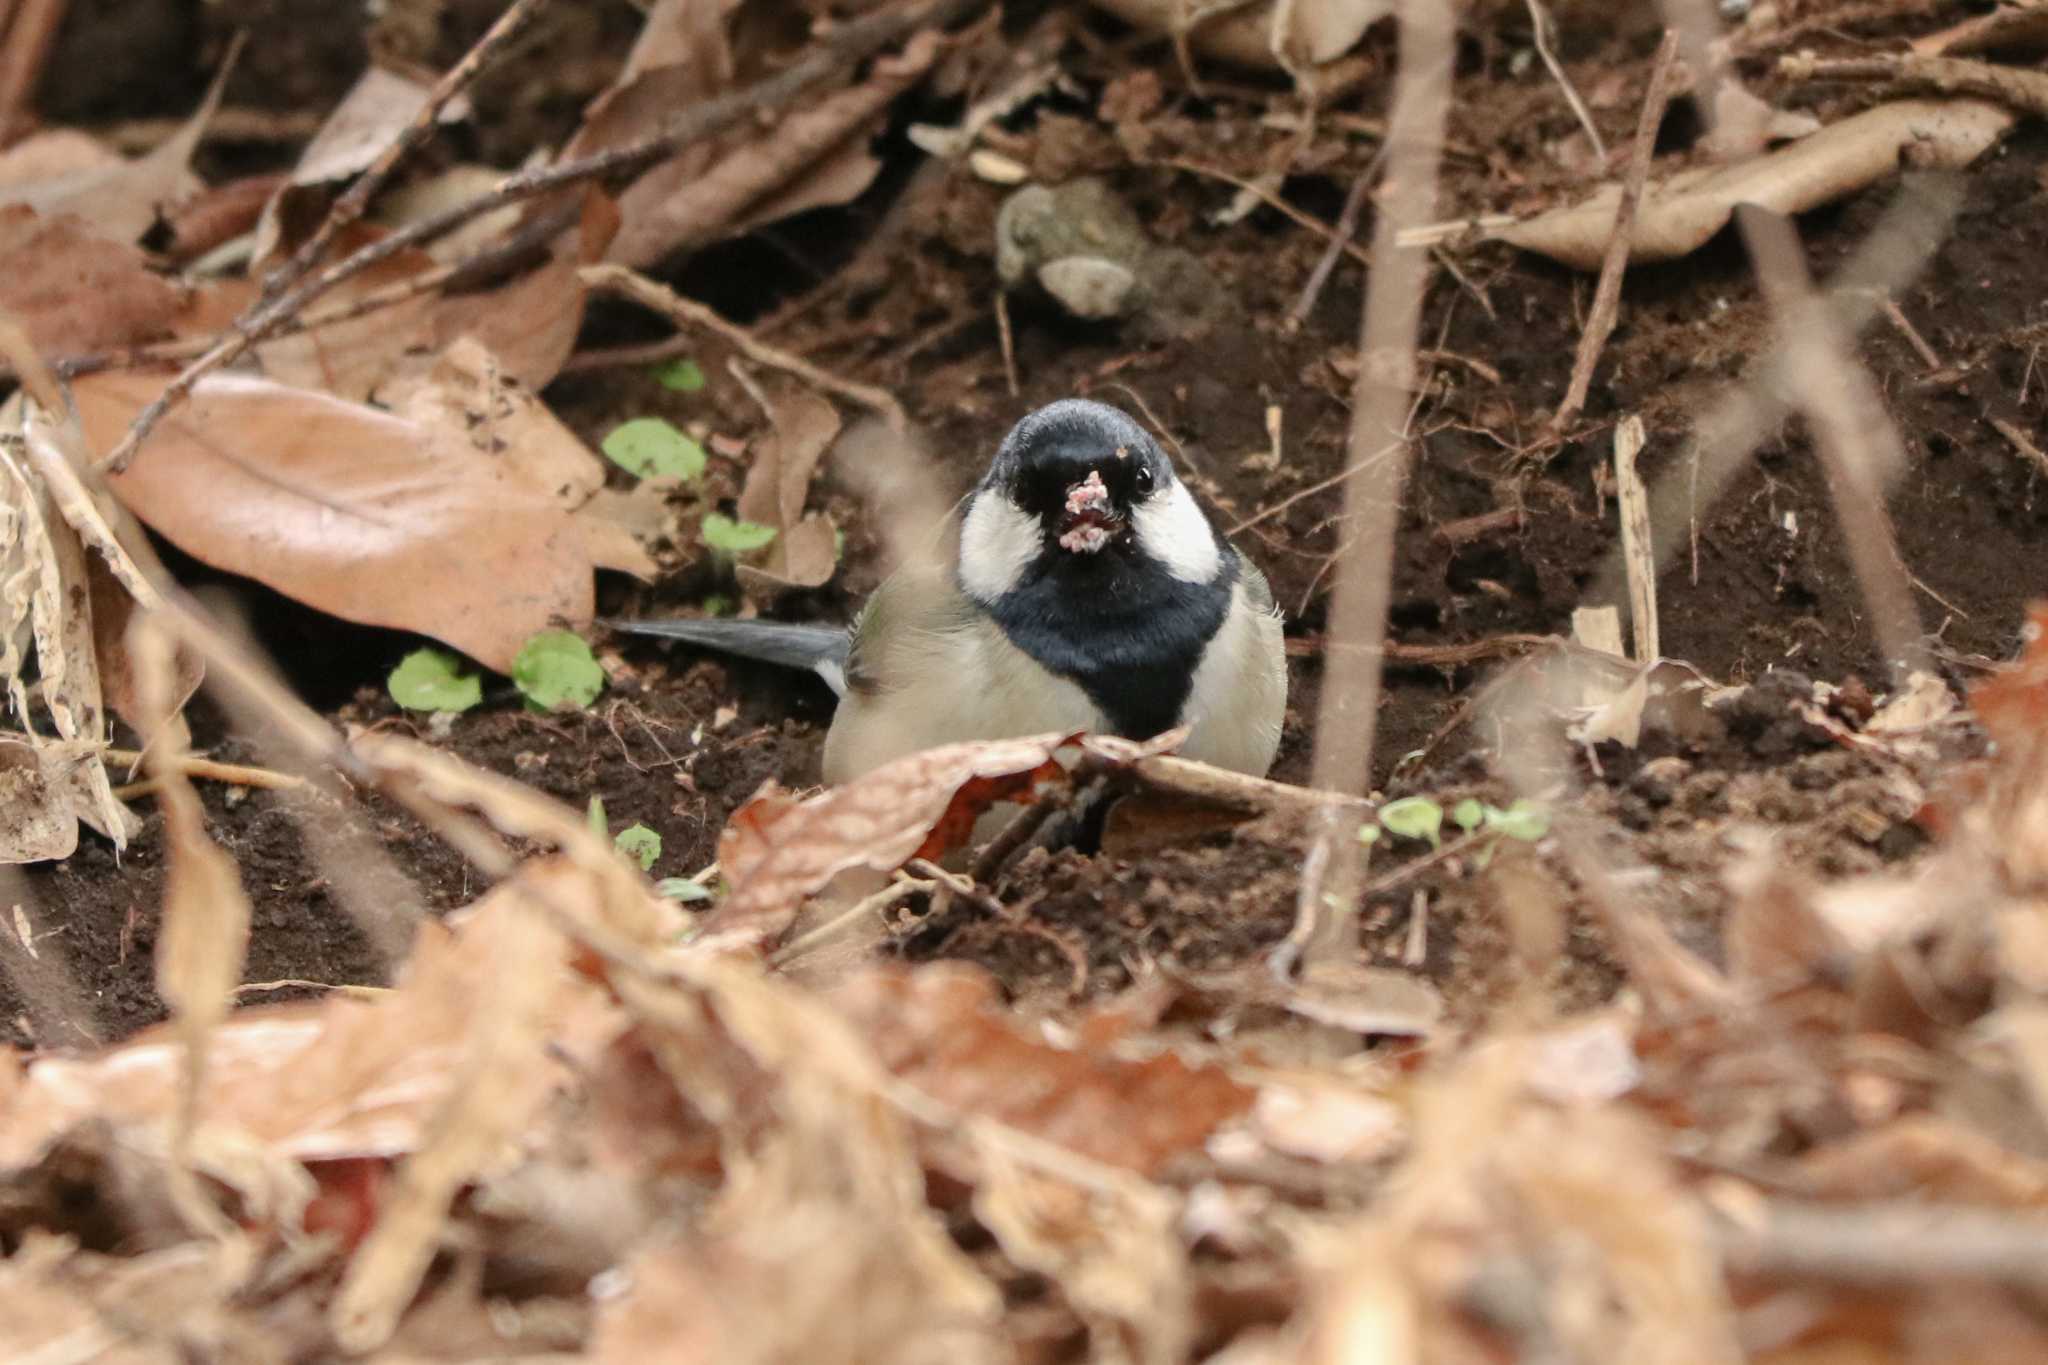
[[1678, 215], [357, 512], [777, 850], [531, 324], [748, 1296], [805, 550], [676, 205], [77, 292], [122, 199], [377, 108], [808, 1142], [1922, 1156], [64, 1304], [218, 215], [941, 1029], [354, 358], [340, 1079], [53, 154], [489, 1101], [39, 808], [45, 599], [1268, 36]]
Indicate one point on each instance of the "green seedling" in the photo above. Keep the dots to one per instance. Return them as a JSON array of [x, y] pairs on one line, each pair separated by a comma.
[[683, 890], [640, 844], [1418, 817], [556, 669], [647, 446], [1414, 817], [679, 376], [593, 816], [730, 537], [434, 680]]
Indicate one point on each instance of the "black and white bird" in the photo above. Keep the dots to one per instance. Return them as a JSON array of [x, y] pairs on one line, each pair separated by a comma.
[[1083, 590]]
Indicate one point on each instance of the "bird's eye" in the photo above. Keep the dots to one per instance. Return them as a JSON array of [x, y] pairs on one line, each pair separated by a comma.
[[1143, 479]]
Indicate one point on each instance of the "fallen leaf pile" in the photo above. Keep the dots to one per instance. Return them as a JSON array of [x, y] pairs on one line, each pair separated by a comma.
[[388, 457], [566, 1129]]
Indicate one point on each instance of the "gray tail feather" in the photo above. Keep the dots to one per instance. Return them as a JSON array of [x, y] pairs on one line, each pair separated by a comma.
[[822, 649]]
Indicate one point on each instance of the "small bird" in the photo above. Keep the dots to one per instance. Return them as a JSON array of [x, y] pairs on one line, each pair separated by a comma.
[[1082, 589]]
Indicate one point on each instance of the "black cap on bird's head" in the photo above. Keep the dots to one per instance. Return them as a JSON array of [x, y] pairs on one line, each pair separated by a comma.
[[1078, 488]]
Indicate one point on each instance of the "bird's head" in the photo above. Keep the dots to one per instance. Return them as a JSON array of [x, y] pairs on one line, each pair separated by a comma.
[[1079, 493]]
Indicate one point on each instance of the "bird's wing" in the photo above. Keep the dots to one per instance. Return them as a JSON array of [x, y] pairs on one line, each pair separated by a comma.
[[893, 635]]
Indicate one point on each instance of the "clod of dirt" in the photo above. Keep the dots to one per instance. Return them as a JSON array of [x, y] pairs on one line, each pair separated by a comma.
[[1083, 246]]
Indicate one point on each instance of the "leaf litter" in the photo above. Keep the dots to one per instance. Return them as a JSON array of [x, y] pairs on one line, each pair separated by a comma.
[[582, 1124]]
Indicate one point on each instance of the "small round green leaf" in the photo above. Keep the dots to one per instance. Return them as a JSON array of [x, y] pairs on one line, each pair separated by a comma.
[[1524, 819], [434, 680], [1368, 834], [648, 446], [680, 375], [555, 668], [731, 537], [1413, 817], [1468, 814], [639, 843]]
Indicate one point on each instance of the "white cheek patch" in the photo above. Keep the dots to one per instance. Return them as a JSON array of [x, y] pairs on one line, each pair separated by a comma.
[[998, 541], [1173, 531]]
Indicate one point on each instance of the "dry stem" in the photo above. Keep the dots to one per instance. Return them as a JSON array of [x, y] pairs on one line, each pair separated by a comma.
[[27, 31], [2015, 86], [848, 44], [1607, 294], [1358, 610], [1859, 448], [617, 279], [352, 204]]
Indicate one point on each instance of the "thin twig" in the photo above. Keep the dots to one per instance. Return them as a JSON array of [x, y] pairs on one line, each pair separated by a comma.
[[1928, 356], [1347, 227], [235, 774], [1888, 1245], [1860, 449], [2015, 86], [1273, 201], [865, 908], [1006, 340], [847, 44], [25, 40], [1607, 294], [1539, 19], [618, 279], [356, 200], [1389, 332], [1727, 430]]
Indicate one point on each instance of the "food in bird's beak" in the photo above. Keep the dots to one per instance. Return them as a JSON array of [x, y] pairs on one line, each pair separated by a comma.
[[1089, 519]]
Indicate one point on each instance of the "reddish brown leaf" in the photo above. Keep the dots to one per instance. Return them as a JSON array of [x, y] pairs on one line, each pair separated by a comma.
[[75, 291], [940, 1028], [777, 850]]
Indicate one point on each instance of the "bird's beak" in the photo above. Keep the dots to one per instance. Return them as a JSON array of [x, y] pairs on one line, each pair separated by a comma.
[[1089, 519]]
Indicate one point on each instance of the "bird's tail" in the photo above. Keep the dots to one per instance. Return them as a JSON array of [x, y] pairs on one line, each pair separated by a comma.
[[822, 649]]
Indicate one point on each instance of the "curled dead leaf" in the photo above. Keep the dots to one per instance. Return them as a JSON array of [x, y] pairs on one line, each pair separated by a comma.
[[1678, 215], [805, 550]]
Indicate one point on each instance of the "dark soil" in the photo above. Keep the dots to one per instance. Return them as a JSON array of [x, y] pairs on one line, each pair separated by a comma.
[[906, 301]]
